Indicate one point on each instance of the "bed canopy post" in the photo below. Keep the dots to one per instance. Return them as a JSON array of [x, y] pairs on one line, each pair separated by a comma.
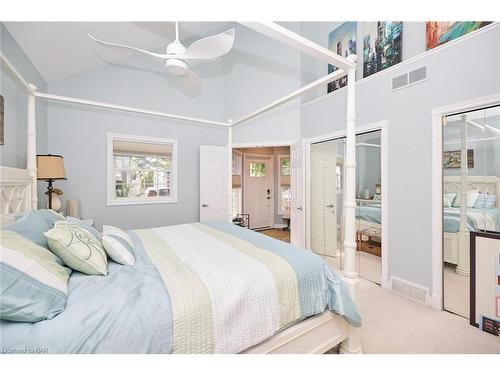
[[31, 145], [230, 171], [463, 267], [353, 342]]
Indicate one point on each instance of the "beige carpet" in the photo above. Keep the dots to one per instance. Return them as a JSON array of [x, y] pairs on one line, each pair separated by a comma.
[[395, 324]]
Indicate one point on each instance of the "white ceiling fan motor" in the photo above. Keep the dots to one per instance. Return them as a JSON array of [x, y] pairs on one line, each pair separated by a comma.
[[177, 67]]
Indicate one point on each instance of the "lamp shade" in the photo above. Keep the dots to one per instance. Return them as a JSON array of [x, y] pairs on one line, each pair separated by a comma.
[[50, 167]]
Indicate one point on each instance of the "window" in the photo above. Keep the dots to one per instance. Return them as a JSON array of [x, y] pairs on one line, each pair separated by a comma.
[[284, 184], [257, 169], [285, 166], [141, 170]]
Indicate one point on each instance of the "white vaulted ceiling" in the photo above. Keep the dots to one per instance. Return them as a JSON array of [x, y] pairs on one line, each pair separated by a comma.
[[62, 49]]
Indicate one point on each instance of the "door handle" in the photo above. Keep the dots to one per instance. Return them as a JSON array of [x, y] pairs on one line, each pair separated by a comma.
[[268, 198], [299, 208], [204, 205], [330, 206]]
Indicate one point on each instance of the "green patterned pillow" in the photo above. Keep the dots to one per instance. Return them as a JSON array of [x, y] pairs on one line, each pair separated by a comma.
[[78, 249]]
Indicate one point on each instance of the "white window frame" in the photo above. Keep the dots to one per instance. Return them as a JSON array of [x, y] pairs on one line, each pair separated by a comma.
[[280, 192], [110, 175]]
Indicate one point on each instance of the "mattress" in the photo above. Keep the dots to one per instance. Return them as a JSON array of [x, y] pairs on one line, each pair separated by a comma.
[[195, 288]]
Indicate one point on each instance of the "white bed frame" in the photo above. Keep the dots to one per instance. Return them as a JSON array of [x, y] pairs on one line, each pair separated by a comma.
[[314, 335], [456, 245]]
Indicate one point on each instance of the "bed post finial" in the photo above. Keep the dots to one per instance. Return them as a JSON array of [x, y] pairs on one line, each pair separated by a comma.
[[31, 145], [352, 344]]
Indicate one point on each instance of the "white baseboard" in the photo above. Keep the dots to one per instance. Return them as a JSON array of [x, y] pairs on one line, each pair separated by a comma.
[[385, 283], [279, 226], [436, 302]]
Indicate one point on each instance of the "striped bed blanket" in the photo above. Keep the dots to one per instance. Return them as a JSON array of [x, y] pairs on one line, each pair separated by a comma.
[[195, 288]]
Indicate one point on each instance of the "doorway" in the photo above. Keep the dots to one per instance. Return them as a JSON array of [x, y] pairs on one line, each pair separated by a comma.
[[261, 191]]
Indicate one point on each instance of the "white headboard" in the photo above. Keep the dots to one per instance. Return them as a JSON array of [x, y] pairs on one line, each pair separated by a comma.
[[15, 191], [485, 184]]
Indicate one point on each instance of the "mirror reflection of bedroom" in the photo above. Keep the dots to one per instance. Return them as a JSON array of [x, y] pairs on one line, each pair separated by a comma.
[[471, 186], [327, 197]]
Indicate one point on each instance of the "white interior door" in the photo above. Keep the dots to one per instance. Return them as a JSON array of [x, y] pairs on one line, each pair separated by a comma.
[[297, 212], [258, 185], [214, 190], [323, 199]]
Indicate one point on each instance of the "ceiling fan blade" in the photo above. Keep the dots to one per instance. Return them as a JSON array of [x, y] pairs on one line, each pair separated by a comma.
[[210, 47], [157, 55], [191, 80]]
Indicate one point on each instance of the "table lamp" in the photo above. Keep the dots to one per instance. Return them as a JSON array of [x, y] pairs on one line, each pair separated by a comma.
[[50, 168]]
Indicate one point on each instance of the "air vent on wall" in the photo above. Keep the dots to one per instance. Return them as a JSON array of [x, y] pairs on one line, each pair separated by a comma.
[[410, 78], [410, 290], [399, 81], [417, 75]]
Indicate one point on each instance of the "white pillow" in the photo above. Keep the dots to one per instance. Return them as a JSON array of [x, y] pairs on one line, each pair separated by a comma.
[[118, 245], [472, 196]]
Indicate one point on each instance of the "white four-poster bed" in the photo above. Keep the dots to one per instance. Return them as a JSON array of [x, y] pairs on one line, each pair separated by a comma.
[[313, 335]]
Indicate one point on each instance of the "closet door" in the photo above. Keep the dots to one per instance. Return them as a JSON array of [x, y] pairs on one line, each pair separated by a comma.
[[323, 199], [214, 190]]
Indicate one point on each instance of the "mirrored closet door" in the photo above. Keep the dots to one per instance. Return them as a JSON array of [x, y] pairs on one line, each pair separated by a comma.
[[327, 199], [471, 186], [369, 205]]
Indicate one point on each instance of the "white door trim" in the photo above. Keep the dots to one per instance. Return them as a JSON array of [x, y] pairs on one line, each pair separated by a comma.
[[437, 187], [263, 144], [379, 125]]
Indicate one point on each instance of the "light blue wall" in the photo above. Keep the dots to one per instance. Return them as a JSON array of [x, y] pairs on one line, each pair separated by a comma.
[[13, 152], [461, 72], [257, 71], [79, 134]]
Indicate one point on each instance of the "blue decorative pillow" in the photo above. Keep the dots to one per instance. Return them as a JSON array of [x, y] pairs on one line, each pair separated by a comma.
[[491, 201], [485, 201], [34, 284], [50, 216], [31, 226], [73, 221]]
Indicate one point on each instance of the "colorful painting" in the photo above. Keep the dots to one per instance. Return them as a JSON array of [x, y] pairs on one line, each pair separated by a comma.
[[453, 159], [342, 41], [382, 45], [2, 123], [438, 33]]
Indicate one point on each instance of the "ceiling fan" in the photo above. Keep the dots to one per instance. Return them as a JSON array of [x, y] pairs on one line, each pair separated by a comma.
[[178, 57]]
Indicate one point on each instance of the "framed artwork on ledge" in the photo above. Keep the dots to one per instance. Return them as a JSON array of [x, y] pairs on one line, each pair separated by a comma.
[[438, 33], [382, 45], [342, 41], [485, 281]]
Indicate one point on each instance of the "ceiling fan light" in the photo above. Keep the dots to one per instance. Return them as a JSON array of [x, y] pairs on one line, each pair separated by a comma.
[[176, 67]]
